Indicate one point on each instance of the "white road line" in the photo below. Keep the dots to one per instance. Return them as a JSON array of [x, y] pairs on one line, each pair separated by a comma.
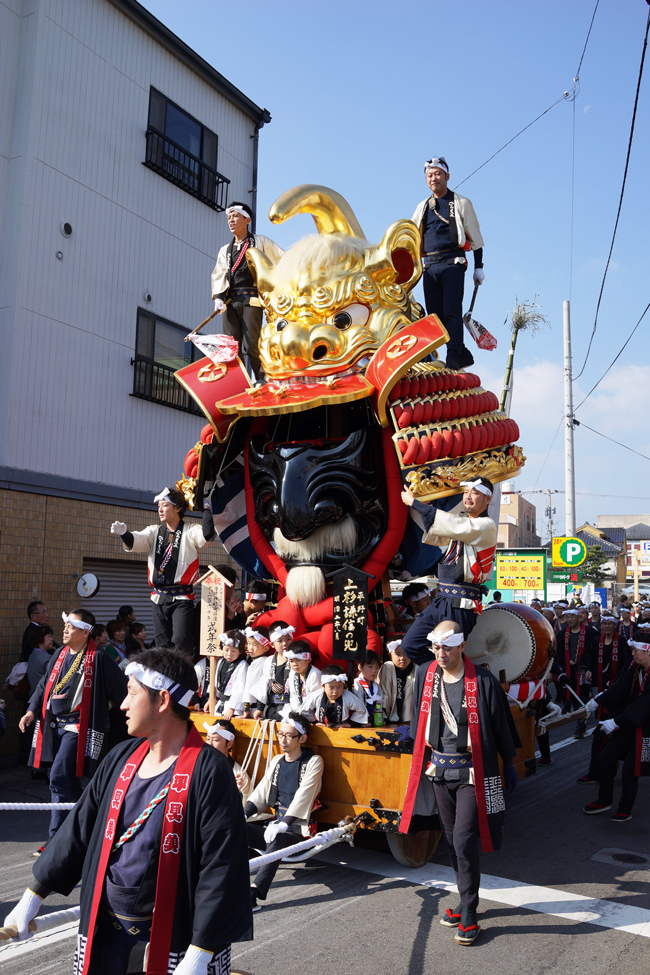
[[13, 949], [545, 900]]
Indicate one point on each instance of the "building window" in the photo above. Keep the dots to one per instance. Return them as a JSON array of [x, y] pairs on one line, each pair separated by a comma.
[[184, 152], [160, 350]]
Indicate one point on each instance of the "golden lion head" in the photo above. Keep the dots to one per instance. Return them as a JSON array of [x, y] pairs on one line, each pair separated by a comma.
[[332, 299]]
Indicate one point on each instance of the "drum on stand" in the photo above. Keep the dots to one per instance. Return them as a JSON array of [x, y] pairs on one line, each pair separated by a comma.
[[512, 638]]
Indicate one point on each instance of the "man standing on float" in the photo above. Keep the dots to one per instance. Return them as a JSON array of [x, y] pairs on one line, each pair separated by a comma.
[[173, 566], [233, 287], [471, 540], [449, 228]]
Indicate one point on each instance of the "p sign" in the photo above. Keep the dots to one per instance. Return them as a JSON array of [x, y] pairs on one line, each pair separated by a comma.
[[568, 553]]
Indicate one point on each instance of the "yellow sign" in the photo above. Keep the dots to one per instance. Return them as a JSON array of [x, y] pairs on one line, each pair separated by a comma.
[[520, 571], [568, 553]]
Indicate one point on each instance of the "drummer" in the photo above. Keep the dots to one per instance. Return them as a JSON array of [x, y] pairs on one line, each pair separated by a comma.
[[471, 539]]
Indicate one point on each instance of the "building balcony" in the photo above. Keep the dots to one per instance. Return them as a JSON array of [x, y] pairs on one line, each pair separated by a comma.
[[192, 175], [156, 383]]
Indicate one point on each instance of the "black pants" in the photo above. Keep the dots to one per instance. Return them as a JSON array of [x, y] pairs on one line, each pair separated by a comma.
[[415, 644], [620, 746], [64, 784], [264, 877], [172, 624], [113, 957], [444, 285], [458, 814], [244, 323]]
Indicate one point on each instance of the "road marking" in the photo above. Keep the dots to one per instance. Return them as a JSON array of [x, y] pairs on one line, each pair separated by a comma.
[[15, 948], [545, 900]]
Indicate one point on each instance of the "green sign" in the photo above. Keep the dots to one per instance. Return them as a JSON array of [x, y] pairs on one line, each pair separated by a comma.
[[566, 575]]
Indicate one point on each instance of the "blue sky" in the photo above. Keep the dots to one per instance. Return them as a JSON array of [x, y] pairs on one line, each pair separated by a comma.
[[362, 93]]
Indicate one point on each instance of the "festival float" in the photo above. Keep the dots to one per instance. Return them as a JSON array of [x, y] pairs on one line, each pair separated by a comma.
[[304, 473]]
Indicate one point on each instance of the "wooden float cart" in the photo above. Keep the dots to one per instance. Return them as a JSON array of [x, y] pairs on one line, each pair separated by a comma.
[[371, 776]]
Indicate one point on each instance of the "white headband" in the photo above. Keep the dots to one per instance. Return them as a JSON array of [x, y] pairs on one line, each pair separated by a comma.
[[447, 639], [393, 645], [80, 625], [437, 163], [640, 646], [253, 597], [420, 594], [215, 729], [290, 655], [158, 682], [237, 209], [279, 632], [478, 487], [164, 494], [329, 678], [643, 626], [227, 640], [570, 612], [257, 636], [294, 724]]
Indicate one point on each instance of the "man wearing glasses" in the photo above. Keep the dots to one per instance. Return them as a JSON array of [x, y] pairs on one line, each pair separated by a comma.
[[470, 539], [288, 792]]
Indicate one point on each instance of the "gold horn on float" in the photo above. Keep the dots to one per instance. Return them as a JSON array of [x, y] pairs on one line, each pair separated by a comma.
[[331, 212], [334, 298]]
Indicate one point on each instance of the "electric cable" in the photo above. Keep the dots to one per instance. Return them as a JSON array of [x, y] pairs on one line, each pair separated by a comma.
[[615, 359]]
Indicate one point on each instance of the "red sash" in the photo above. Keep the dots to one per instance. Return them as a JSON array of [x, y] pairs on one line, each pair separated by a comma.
[[612, 675], [567, 651], [86, 696], [170, 849], [474, 725]]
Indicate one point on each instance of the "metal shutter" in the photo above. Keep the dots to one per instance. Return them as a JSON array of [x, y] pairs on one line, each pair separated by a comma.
[[120, 583]]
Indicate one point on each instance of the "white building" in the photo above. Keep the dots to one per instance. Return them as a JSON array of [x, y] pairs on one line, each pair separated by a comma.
[[119, 149]]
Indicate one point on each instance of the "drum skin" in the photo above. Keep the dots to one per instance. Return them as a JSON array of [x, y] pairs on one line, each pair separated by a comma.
[[514, 638]]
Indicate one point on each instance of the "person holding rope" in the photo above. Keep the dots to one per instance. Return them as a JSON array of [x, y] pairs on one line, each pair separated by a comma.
[[158, 841], [460, 723], [471, 539], [71, 706], [290, 790], [173, 566], [233, 286]]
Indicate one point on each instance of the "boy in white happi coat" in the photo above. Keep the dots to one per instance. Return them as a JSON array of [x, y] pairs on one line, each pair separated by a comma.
[[230, 677], [333, 706], [276, 670], [289, 791], [258, 648], [221, 735], [304, 678], [397, 678], [366, 685]]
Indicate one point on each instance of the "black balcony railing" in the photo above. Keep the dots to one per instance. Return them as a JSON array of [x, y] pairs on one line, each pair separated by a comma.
[[156, 382], [180, 167]]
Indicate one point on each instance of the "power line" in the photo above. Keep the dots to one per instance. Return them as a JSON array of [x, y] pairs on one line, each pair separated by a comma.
[[562, 98], [645, 457], [616, 358], [588, 36], [620, 202]]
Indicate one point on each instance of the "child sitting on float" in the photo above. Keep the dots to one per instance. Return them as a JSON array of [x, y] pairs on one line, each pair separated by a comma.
[[221, 735], [230, 677], [333, 706], [277, 670], [258, 648], [304, 678], [396, 679], [366, 685]]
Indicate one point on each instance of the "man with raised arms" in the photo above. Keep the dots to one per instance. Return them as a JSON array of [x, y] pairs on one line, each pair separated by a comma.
[[470, 539]]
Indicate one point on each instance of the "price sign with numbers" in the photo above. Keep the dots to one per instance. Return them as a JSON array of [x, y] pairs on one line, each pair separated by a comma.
[[521, 569]]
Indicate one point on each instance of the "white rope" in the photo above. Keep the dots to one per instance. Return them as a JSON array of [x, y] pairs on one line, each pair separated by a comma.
[[36, 806], [251, 743], [524, 704], [319, 841], [40, 924]]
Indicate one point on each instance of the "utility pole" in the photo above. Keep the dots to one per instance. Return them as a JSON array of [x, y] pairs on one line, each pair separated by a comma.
[[569, 468]]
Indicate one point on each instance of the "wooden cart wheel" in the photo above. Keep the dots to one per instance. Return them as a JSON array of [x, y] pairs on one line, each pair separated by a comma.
[[414, 849]]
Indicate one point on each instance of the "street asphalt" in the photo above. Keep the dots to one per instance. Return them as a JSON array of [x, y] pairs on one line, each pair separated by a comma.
[[584, 881]]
